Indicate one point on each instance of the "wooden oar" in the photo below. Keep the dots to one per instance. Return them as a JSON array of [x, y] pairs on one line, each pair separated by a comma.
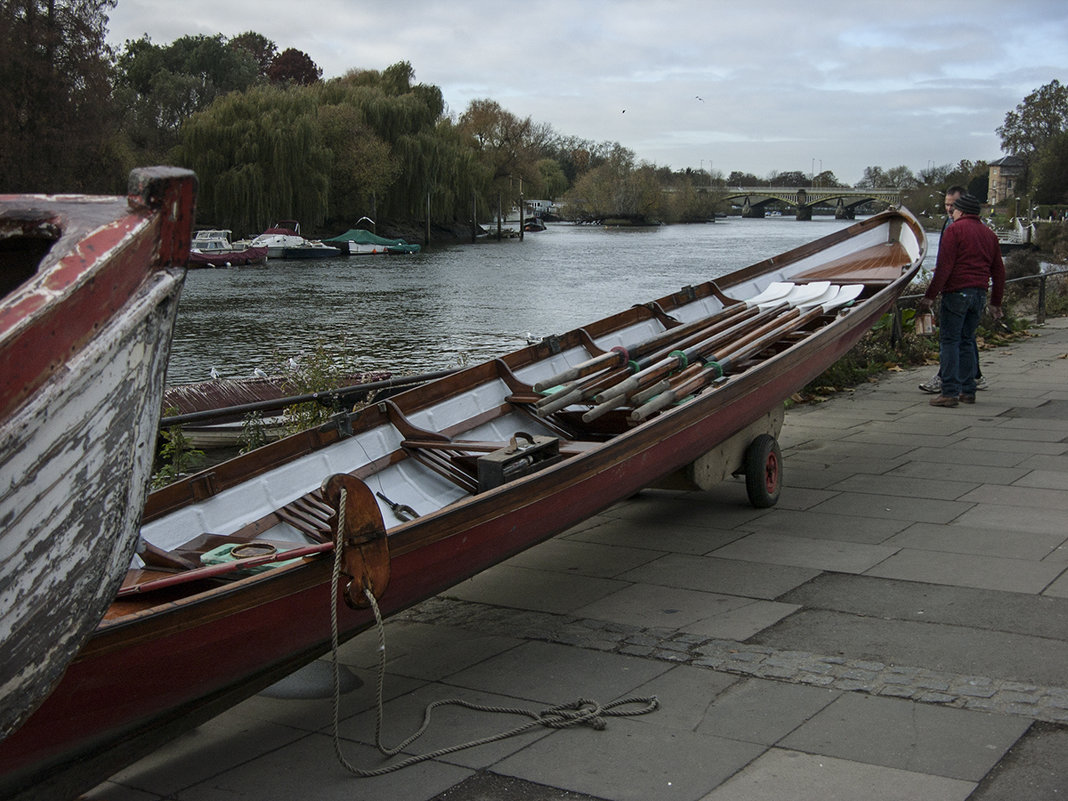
[[213, 571], [833, 298], [652, 370], [620, 354], [774, 294], [595, 384]]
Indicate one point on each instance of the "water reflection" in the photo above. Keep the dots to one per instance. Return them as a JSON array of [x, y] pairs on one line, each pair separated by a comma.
[[439, 308]]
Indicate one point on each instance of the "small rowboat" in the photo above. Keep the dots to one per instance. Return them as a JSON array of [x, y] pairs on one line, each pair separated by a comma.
[[88, 295], [427, 488]]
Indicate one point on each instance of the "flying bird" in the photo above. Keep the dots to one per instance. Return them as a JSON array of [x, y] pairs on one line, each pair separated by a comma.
[[700, 98]]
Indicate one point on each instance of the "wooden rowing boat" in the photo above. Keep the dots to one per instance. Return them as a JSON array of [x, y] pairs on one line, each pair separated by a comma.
[[88, 294], [439, 483]]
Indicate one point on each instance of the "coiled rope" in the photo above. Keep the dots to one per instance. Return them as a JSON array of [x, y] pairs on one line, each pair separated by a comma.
[[582, 712]]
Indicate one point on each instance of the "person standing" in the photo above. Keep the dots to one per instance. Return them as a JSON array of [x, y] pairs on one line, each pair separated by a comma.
[[934, 384], [969, 260]]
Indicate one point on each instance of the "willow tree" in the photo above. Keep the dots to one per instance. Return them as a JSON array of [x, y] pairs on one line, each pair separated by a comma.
[[363, 167], [261, 157], [427, 159]]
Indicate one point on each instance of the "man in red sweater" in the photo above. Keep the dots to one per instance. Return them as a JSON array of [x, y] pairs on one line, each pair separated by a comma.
[[969, 260]]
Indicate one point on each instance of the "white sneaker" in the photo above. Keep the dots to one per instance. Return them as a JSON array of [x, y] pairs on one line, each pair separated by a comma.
[[980, 383], [933, 386]]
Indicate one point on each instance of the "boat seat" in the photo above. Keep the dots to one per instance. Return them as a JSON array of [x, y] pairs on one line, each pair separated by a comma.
[[878, 265]]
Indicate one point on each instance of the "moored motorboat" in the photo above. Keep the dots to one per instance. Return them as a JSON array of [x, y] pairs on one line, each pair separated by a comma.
[[428, 488], [284, 241], [212, 248], [89, 294], [310, 249]]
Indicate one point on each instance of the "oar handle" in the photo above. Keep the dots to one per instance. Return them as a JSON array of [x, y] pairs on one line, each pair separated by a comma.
[[615, 356]]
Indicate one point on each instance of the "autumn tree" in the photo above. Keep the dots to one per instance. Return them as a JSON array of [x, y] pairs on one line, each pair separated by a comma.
[[58, 123], [1040, 117], [509, 148], [619, 188], [293, 66]]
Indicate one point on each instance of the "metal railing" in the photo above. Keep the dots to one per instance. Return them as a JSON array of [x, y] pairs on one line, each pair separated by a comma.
[[1040, 312]]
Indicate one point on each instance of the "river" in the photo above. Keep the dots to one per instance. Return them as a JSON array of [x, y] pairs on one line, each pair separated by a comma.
[[456, 304]]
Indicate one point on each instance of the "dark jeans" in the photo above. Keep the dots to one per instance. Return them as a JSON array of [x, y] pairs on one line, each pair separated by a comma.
[[978, 367], [958, 354]]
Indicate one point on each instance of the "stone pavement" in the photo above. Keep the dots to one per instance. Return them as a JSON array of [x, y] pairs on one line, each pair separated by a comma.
[[895, 628]]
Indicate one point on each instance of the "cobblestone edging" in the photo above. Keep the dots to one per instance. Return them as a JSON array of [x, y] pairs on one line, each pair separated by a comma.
[[727, 656]]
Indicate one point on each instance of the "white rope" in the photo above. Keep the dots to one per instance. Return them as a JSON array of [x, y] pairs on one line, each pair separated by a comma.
[[577, 713]]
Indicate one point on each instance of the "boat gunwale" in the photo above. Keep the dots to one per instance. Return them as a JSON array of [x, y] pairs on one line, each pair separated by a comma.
[[406, 536]]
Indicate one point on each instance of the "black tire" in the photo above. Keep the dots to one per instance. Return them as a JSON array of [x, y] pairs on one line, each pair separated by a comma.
[[763, 471]]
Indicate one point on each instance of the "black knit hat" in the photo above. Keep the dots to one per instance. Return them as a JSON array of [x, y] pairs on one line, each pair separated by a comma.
[[967, 204]]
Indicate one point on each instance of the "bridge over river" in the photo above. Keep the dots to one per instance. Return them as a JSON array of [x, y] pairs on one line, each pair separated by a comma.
[[755, 199]]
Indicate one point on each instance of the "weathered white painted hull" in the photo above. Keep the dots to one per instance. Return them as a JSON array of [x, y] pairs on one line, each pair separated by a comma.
[[76, 450], [71, 494]]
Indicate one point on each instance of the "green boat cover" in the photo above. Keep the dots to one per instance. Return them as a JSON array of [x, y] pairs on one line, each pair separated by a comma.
[[363, 237]]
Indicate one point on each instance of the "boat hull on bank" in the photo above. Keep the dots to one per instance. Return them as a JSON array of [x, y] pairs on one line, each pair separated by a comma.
[[173, 651], [84, 340]]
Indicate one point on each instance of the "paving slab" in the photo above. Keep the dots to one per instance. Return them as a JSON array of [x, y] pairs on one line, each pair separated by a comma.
[[583, 558], [832, 555], [947, 487], [816, 525], [1033, 768], [632, 762], [425, 652], [887, 599], [762, 711], [968, 570], [972, 474], [780, 774], [954, 743], [963, 539], [728, 576], [662, 538], [938, 647], [555, 673], [892, 507], [533, 589]]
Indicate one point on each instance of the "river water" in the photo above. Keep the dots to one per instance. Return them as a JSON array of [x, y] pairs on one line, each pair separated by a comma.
[[457, 304]]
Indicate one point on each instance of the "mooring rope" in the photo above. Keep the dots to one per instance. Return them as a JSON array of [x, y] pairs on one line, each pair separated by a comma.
[[582, 712]]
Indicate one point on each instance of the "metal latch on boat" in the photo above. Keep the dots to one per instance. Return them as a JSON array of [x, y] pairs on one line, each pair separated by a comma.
[[362, 533], [522, 456]]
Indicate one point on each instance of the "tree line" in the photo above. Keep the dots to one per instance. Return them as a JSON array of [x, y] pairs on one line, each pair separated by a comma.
[[269, 139]]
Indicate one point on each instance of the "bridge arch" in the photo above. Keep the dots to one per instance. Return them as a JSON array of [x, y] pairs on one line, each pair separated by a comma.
[[756, 199]]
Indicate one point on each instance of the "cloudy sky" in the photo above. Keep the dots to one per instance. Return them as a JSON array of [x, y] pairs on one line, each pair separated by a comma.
[[771, 85]]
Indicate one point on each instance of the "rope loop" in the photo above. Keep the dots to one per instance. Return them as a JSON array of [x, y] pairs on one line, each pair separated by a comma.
[[582, 712]]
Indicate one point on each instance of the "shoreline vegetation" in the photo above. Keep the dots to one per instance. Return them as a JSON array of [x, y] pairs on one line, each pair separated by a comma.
[[270, 140]]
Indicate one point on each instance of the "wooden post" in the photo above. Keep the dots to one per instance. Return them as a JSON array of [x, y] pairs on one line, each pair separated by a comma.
[[427, 218], [498, 216], [522, 210], [474, 218]]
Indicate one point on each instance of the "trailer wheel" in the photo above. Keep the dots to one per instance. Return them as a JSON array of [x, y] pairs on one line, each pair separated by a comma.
[[763, 471]]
